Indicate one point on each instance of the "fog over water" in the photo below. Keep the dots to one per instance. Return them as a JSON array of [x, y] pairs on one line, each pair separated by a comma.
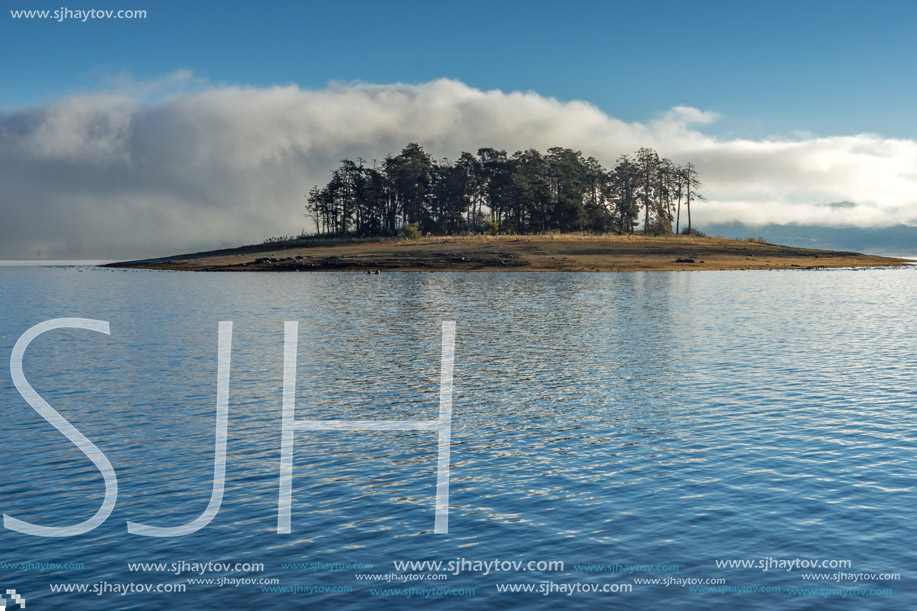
[[178, 165]]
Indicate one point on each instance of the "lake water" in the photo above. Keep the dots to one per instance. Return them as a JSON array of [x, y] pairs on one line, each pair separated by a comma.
[[634, 426]]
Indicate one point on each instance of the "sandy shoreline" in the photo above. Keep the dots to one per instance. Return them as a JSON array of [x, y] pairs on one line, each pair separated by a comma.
[[564, 252]]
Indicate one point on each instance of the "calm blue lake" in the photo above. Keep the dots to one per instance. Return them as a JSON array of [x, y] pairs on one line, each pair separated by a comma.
[[631, 426]]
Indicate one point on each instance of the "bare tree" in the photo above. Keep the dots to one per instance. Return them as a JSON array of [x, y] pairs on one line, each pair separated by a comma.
[[692, 183]]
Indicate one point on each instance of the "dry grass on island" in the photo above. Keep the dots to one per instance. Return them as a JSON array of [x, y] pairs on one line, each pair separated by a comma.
[[553, 252]]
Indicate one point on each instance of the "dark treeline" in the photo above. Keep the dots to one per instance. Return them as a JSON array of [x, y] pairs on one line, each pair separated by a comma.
[[526, 192]]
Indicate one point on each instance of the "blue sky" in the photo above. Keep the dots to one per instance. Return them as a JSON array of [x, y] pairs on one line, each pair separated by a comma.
[[768, 68], [204, 124]]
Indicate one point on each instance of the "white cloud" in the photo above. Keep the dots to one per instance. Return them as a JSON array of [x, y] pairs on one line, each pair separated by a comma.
[[172, 165]]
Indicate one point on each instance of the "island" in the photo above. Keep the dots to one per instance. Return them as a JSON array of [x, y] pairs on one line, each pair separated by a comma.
[[492, 211], [536, 253]]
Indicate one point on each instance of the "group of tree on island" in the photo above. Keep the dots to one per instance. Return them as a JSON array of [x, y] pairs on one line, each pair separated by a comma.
[[526, 192]]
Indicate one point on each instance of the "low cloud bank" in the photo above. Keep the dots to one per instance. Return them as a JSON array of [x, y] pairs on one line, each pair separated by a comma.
[[129, 173]]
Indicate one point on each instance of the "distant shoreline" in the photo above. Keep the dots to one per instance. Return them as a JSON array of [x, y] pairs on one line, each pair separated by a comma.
[[553, 252]]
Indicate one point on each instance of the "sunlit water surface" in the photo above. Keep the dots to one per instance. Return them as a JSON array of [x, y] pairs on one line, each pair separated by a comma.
[[599, 419]]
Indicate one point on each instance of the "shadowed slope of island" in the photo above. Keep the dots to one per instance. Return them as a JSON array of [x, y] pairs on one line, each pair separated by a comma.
[[559, 252]]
